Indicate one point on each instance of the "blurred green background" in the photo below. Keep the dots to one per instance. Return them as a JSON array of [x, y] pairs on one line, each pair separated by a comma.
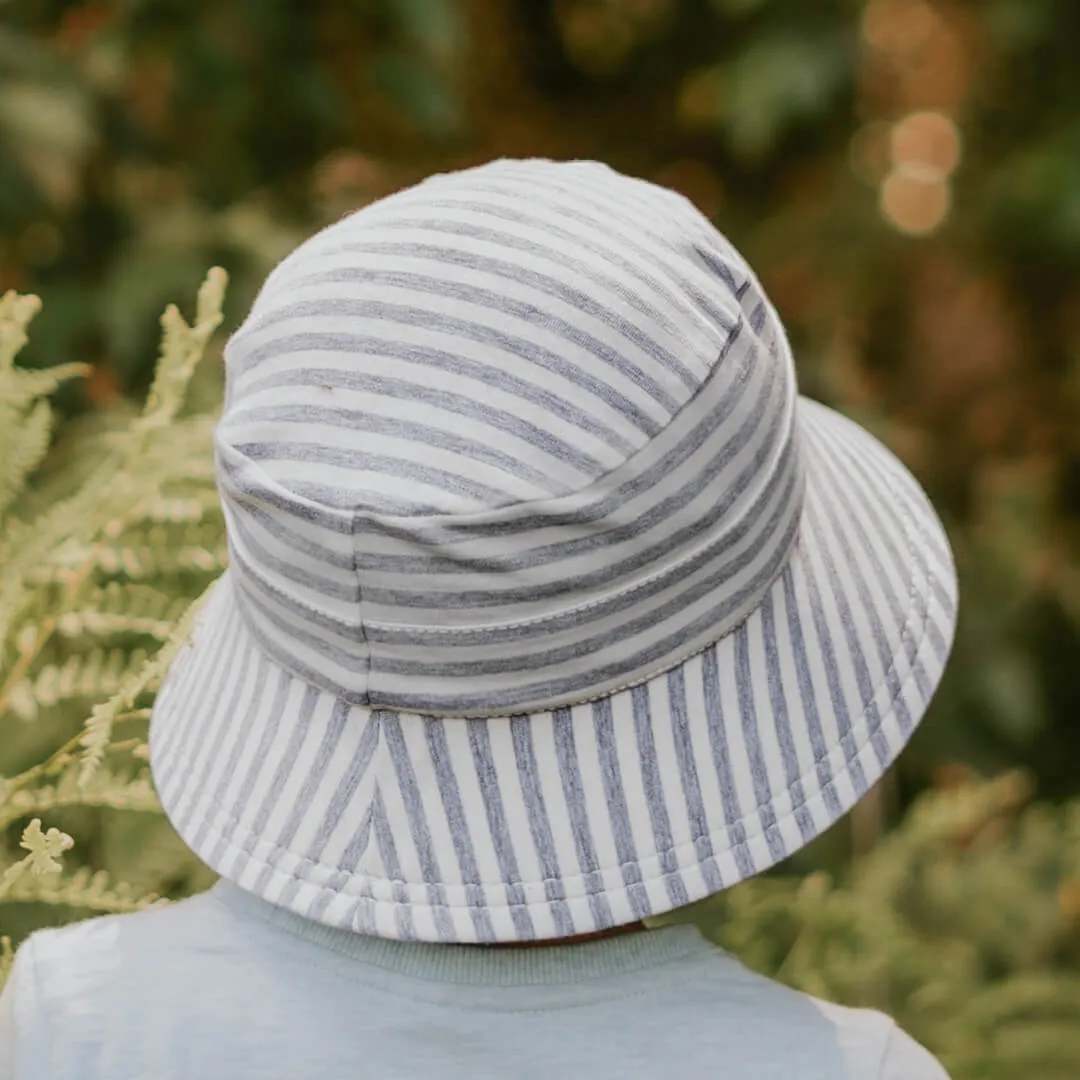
[[904, 175]]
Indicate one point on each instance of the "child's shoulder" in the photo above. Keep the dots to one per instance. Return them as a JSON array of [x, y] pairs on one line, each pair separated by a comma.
[[164, 921], [870, 1042], [86, 957]]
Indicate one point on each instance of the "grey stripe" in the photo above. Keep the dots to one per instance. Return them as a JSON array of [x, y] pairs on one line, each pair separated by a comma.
[[734, 816], [832, 677], [839, 596], [456, 819], [375, 502], [178, 745], [508, 271], [418, 826], [208, 687], [314, 778], [546, 251], [341, 800], [289, 537], [781, 717], [618, 811], [462, 367], [280, 653], [554, 689], [581, 614], [271, 721], [343, 641], [884, 647], [241, 741], [444, 400], [808, 697], [532, 791], [653, 784], [340, 879], [584, 198], [403, 916], [667, 542], [759, 771], [722, 271], [242, 487], [520, 347], [574, 793], [700, 829], [318, 584], [505, 305], [361, 460], [345, 659], [502, 841], [398, 427], [286, 764], [726, 606]]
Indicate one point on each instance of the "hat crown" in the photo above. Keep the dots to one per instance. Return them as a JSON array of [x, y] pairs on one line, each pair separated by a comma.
[[509, 439]]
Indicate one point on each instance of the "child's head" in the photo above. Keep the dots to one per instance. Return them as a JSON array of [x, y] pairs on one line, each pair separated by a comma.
[[551, 606]]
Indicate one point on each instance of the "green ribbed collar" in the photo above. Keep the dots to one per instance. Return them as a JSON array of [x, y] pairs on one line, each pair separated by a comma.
[[479, 965]]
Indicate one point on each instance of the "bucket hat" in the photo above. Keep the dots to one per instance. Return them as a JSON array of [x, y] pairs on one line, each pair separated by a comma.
[[550, 605]]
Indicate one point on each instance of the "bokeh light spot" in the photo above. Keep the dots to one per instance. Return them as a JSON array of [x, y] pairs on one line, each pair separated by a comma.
[[915, 199], [926, 138]]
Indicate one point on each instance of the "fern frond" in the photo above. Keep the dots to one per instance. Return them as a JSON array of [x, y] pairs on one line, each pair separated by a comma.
[[96, 673], [129, 477], [85, 889], [97, 731], [181, 349], [1038, 993], [16, 314], [140, 563], [7, 960], [26, 419], [24, 448], [104, 788], [123, 608], [45, 850]]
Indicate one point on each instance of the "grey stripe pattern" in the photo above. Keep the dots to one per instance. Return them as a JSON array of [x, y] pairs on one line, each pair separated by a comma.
[[551, 605]]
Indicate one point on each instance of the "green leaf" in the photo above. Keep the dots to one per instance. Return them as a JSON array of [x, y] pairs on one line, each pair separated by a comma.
[[434, 25], [775, 83], [421, 93]]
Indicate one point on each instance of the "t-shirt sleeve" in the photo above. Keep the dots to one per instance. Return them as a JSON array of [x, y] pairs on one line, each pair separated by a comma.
[[24, 1047], [905, 1059]]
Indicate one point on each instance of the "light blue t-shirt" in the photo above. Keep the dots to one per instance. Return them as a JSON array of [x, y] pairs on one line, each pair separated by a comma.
[[227, 987]]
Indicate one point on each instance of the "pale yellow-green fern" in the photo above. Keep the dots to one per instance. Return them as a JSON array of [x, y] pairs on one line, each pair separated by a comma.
[[963, 923], [98, 588]]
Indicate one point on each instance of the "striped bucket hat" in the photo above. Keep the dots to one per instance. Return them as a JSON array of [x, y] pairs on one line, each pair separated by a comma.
[[551, 605]]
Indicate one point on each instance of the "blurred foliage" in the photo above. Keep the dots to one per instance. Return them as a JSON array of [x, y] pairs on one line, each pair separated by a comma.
[[963, 923], [904, 174], [102, 567]]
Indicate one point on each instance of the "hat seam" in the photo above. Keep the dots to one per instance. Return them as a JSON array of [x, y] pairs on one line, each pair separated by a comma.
[[690, 844], [421, 890], [456, 519], [700, 551], [914, 529]]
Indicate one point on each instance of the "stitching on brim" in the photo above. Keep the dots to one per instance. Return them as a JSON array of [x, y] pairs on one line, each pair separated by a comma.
[[751, 822]]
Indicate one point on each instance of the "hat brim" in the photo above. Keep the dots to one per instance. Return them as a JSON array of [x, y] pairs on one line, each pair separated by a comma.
[[597, 814]]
